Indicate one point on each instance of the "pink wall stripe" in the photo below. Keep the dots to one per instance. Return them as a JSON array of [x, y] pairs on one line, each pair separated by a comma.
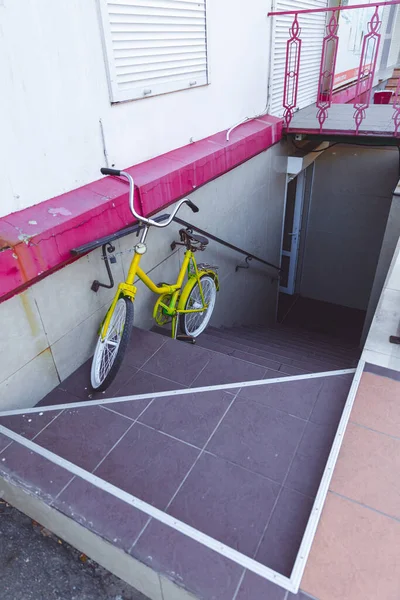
[[38, 240]]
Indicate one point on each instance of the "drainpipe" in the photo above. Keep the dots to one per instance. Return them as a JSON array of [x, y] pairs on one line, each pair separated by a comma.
[[267, 105]]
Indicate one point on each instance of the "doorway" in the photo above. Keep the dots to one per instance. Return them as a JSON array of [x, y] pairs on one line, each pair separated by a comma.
[[291, 233]]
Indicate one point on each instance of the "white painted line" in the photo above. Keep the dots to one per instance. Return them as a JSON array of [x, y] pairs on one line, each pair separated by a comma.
[[194, 534], [309, 534], [211, 388]]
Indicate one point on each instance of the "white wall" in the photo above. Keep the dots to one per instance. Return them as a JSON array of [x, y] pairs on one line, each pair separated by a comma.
[[386, 322], [55, 92], [49, 330], [390, 241], [350, 203]]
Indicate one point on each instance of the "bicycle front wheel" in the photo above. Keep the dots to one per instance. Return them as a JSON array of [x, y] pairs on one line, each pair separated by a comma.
[[193, 324], [110, 351]]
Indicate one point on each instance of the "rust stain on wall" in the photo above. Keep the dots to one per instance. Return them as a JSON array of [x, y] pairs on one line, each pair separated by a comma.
[[31, 316]]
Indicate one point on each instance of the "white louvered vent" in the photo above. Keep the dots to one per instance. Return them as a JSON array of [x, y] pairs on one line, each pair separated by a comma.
[[154, 46], [313, 30]]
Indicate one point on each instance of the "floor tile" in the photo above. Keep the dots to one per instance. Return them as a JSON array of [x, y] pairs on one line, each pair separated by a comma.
[[382, 371], [129, 408], [309, 463], [156, 467], [58, 396], [355, 554], [377, 404], [226, 369], [366, 468], [226, 502], [331, 400], [189, 417], [143, 344], [270, 374], [147, 383], [258, 438], [84, 435], [286, 369], [124, 375], [78, 383], [4, 442], [294, 397], [178, 362], [30, 424], [102, 513], [285, 531], [34, 472], [254, 587], [257, 360], [203, 572]]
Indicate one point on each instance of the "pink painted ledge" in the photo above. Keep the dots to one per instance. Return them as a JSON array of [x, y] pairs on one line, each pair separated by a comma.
[[347, 94], [38, 240]]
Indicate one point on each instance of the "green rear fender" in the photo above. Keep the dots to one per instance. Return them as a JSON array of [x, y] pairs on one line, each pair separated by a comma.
[[190, 285]]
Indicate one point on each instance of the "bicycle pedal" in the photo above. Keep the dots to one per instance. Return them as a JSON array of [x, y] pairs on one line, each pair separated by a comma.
[[186, 338]]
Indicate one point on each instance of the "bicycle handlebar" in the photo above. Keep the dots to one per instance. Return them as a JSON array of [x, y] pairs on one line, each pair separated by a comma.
[[117, 173], [107, 171]]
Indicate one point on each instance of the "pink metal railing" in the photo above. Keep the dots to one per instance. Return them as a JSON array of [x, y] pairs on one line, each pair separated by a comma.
[[396, 106], [292, 71], [366, 69]]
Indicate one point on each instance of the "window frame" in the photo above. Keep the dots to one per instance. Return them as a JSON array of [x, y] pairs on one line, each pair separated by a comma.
[[116, 94]]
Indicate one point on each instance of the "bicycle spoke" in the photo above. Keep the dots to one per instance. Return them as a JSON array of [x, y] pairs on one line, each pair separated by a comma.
[[196, 322], [109, 347]]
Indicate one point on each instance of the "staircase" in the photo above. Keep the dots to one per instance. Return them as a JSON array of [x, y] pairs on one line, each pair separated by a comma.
[[283, 350], [230, 436], [392, 83], [156, 363]]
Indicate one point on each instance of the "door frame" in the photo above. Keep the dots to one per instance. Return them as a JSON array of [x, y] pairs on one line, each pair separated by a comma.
[[293, 254]]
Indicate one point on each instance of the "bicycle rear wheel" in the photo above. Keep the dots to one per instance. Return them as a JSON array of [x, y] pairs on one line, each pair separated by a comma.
[[110, 351], [193, 324]]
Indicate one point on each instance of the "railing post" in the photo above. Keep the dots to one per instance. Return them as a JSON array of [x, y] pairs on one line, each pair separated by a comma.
[[292, 68], [396, 106], [327, 70], [366, 71]]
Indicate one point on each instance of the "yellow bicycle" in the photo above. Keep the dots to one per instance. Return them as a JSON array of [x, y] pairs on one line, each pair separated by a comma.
[[188, 306]]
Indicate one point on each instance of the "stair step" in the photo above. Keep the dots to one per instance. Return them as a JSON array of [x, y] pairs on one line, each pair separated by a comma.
[[297, 359], [322, 342], [272, 340], [310, 350], [305, 335], [276, 368], [290, 358], [203, 341]]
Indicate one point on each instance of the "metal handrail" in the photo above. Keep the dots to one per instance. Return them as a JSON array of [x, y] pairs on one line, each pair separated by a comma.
[[106, 244], [329, 9], [227, 244], [107, 239]]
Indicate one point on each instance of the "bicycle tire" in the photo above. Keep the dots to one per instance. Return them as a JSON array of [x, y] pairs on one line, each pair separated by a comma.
[[100, 381], [201, 320]]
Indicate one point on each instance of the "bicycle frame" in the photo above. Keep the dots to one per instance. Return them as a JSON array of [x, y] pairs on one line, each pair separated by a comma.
[[128, 288]]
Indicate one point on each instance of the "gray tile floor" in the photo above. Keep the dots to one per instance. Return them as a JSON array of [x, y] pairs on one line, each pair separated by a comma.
[[241, 467], [378, 119]]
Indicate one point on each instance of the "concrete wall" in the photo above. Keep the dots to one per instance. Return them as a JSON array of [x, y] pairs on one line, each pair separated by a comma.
[[386, 322], [50, 330], [390, 240], [350, 203], [55, 92]]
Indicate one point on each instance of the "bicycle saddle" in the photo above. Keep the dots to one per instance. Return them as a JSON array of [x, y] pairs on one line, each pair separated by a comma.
[[195, 241]]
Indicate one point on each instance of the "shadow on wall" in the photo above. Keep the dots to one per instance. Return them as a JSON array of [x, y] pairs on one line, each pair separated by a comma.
[[50, 330], [344, 228]]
